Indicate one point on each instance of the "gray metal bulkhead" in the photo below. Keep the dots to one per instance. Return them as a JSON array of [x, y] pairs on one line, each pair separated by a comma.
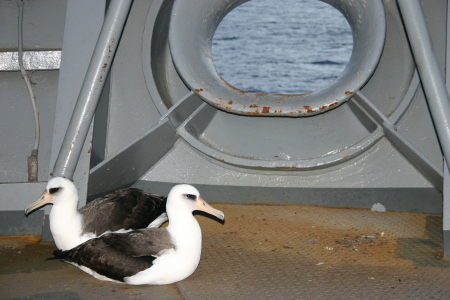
[[351, 155]]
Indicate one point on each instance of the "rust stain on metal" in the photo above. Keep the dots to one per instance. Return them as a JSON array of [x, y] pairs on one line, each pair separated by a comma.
[[345, 155], [348, 93], [230, 102], [222, 104], [18, 242], [329, 106], [257, 111], [337, 241], [286, 167], [253, 113], [29, 238], [198, 90], [266, 109], [309, 109], [104, 66], [333, 104], [109, 46]]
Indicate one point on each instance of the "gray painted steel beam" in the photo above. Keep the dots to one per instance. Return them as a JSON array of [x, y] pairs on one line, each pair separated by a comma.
[[446, 204], [91, 89], [83, 23], [435, 90], [417, 159], [131, 162], [125, 167], [446, 213], [429, 70]]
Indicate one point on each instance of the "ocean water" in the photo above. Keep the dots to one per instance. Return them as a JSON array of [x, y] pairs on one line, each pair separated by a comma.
[[282, 46]]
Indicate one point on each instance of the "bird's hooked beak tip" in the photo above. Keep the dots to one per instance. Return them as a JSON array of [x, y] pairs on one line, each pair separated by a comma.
[[204, 206], [41, 201]]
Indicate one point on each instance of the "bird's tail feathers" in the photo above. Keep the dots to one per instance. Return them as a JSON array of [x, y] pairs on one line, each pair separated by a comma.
[[59, 254]]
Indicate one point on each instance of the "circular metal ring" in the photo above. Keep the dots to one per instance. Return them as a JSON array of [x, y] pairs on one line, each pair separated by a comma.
[[190, 45]]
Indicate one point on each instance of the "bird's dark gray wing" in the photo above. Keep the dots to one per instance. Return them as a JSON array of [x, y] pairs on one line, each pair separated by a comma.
[[141, 242], [119, 255], [123, 209]]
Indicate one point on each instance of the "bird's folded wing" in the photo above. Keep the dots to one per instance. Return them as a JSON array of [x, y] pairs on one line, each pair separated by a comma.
[[122, 209], [142, 242]]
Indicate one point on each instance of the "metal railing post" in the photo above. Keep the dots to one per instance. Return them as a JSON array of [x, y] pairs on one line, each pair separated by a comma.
[[435, 91], [91, 89]]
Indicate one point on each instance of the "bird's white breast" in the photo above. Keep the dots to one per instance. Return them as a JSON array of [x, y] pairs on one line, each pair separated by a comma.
[[66, 228], [174, 264]]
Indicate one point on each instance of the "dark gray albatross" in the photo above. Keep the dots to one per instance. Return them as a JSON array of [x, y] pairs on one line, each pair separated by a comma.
[[122, 210], [150, 255]]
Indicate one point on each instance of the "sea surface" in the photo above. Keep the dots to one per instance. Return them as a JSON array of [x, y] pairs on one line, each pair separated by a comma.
[[282, 46]]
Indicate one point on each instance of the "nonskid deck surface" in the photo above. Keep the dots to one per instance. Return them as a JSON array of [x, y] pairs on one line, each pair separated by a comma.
[[269, 252]]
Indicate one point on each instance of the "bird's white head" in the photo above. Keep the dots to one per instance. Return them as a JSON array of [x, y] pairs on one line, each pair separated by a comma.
[[186, 198], [58, 190]]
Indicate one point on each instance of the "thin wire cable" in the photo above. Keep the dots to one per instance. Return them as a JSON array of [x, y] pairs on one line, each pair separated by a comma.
[[26, 77]]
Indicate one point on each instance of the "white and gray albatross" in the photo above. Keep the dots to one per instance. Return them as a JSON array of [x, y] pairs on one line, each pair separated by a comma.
[[150, 255], [124, 209]]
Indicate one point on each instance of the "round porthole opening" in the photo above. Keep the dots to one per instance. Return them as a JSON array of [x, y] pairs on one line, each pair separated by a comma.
[[282, 47], [190, 40]]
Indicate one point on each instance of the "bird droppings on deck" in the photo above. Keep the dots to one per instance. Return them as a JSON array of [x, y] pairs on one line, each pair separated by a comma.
[[378, 207]]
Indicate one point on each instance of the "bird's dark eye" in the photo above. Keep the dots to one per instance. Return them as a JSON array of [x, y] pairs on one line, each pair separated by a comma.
[[54, 190], [190, 196]]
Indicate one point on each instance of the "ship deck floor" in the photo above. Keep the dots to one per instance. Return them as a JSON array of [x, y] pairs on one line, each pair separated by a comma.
[[267, 252]]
